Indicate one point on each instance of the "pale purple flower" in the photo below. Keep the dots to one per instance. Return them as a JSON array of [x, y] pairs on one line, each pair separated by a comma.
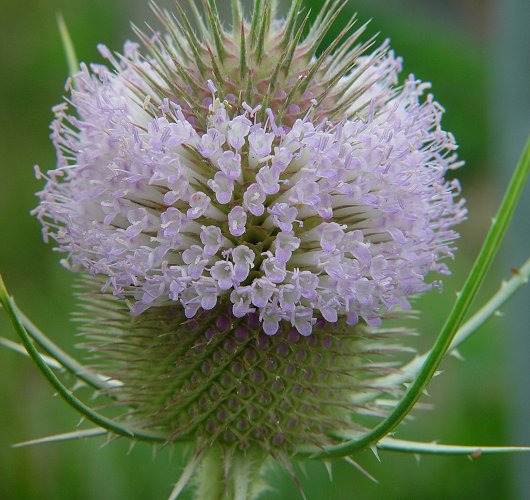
[[260, 142], [237, 220], [274, 269], [193, 257], [355, 212], [238, 129], [230, 164], [268, 180], [253, 199], [243, 258], [283, 216], [199, 203], [223, 273], [211, 143], [223, 186], [212, 238]]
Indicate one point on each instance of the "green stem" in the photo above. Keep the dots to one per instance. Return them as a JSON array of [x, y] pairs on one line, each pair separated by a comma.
[[98, 419], [460, 309], [51, 362], [389, 444], [506, 291]]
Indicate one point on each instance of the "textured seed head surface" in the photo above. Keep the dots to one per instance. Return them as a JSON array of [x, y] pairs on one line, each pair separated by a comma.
[[221, 379]]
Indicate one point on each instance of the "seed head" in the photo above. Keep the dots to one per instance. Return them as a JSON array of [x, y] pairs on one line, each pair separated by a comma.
[[241, 203]]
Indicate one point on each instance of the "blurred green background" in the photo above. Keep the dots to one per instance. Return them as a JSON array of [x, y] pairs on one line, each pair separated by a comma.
[[453, 44]]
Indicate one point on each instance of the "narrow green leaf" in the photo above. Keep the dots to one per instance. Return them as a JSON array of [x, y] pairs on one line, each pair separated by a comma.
[[242, 476], [20, 349], [325, 55], [186, 475], [257, 14], [346, 56], [263, 32], [320, 28], [390, 444], [215, 28], [305, 79], [212, 4], [453, 322], [68, 46], [167, 20], [236, 15], [250, 87], [293, 44], [290, 23], [199, 20], [218, 75], [243, 68], [323, 12], [186, 29]]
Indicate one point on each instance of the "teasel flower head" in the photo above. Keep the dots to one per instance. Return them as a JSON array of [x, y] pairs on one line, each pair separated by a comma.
[[246, 212]]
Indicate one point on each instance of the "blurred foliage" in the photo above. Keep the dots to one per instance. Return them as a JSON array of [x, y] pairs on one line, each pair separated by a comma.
[[469, 398]]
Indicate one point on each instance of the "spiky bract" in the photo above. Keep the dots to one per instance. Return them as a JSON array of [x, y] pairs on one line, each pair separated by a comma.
[[218, 378]]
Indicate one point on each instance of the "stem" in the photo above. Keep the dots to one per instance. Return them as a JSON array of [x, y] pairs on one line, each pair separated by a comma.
[[230, 474], [98, 419], [507, 289], [460, 309], [51, 362], [389, 444]]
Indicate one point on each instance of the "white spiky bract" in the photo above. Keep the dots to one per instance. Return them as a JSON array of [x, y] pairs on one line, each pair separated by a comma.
[[260, 209]]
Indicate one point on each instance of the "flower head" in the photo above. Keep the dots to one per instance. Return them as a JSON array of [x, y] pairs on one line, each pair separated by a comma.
[[339, 180], [251, 201]]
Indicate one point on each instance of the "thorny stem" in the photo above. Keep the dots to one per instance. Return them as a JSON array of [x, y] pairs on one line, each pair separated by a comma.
[[99, 382]]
